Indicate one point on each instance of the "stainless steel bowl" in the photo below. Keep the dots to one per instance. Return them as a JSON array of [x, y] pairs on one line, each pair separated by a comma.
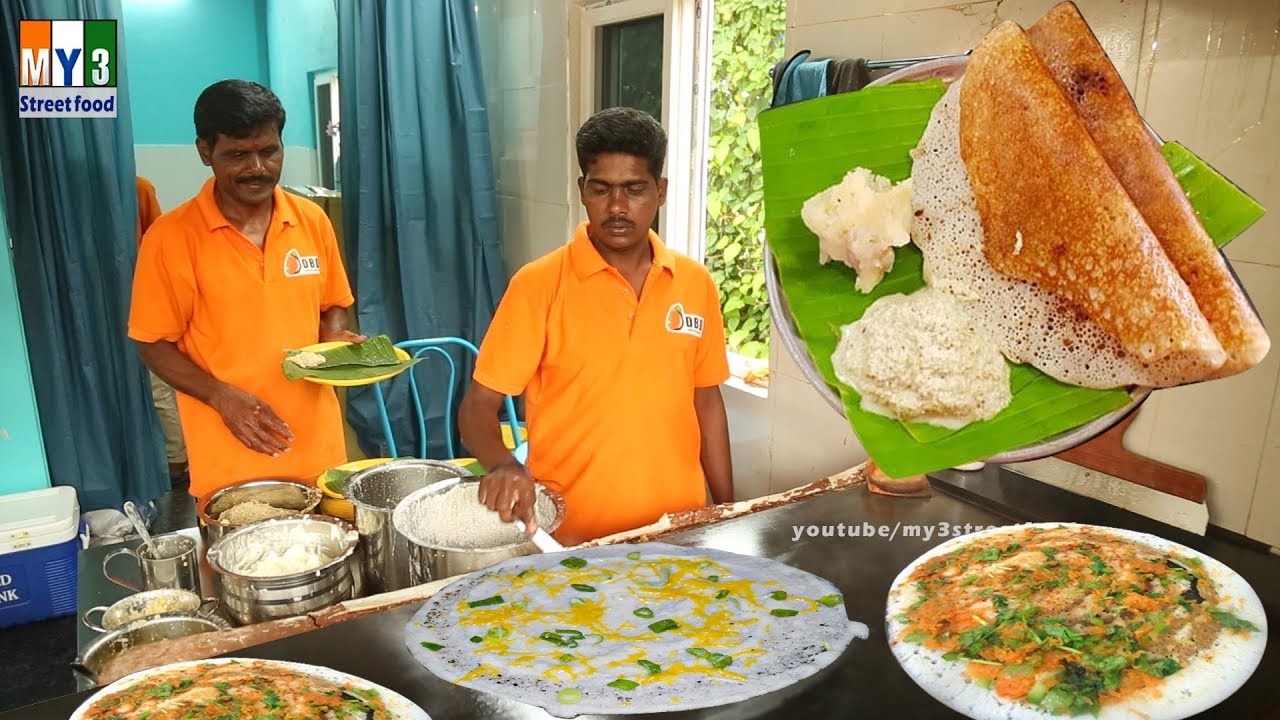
[[251, 599], [435, 560], [111, 645], [150, 603], [947, 69], [284, 494], [375, 493]]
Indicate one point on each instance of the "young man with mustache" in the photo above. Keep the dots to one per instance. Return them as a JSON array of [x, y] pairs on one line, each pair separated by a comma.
[[224, 284], [617, 343]]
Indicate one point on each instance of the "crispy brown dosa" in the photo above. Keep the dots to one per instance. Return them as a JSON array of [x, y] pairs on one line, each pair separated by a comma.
[[1082, 69], [1054, 214]]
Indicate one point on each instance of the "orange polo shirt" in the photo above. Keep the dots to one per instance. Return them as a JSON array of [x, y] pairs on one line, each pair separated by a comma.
[[234, 309], [609, 381], [148, 206]]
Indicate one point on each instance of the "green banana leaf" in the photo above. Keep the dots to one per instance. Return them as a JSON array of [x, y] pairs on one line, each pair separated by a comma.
[[809, 146], [336, 479], [372, 358]]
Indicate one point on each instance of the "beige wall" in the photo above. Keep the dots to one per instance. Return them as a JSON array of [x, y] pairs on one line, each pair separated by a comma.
[[1203, 73], [525, 50]]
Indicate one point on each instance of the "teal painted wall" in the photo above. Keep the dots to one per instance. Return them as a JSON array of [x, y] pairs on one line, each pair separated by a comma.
[[21, 445], [302, 39], [178, 48]]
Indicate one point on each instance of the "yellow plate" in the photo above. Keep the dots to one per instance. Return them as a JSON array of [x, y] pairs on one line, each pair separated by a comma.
[[322, 481], [508, 438], [321, 347]]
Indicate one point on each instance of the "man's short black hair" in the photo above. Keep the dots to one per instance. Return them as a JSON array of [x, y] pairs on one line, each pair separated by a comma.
[[622, 130], [236, 108]]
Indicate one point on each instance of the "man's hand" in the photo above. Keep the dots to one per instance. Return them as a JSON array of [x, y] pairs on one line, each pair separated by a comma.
[[252, 421], [510, 491], [341, 335]]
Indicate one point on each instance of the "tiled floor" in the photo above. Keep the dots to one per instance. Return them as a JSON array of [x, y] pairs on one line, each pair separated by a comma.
[[38, 656]]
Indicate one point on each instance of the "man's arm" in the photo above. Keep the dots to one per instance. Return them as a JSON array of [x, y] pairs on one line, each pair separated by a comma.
[[333, 326], [507, 486], [713, 424], [249, 419]]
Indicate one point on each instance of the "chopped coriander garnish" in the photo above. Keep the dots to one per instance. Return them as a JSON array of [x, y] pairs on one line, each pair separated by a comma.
[[830, 600], [722, 594], [778, 595], [713, 578], [476, 639], [1229, 621], [633, 556], [432, 646], [574, 563]]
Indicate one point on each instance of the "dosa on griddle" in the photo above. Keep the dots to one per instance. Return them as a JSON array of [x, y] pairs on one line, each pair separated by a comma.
[[1082, 69], [1054, 214]]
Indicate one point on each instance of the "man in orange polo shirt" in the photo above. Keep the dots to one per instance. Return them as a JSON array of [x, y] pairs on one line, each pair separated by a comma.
[[229, 280], [162, 396], [618, 344]]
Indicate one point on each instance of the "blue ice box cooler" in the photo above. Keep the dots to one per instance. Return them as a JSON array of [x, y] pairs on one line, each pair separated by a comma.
[[41, 536]]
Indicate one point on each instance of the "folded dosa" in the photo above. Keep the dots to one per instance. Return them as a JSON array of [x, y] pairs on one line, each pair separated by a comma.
[[1082, 69], [1054, 214]]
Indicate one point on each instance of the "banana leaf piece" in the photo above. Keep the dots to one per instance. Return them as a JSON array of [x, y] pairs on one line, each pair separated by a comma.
[[1225, 209], [807, 147], [373, 352], [372, 358], [336, 480]]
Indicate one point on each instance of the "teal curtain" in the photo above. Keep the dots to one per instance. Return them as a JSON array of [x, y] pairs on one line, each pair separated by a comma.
[[72, 210], [419, 201]]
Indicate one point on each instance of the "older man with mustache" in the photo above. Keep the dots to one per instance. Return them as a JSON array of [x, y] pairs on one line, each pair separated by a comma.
[[224, 284]]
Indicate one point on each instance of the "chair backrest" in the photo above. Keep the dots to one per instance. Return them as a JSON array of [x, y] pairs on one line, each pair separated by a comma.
[[435, 347]]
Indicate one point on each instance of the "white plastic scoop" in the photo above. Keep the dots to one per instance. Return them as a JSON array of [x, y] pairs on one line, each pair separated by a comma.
[[541, 538]]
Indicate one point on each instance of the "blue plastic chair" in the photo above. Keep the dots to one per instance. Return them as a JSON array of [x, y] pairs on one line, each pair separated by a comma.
[[439, 346]]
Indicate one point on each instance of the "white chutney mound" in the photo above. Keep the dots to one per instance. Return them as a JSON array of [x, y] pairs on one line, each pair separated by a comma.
[[923, 357]]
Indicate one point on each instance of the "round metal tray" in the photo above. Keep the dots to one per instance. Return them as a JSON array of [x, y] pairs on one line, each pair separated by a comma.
[[948, 70]]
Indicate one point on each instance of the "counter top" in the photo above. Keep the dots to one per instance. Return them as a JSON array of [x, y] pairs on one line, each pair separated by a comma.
[[862, 566]]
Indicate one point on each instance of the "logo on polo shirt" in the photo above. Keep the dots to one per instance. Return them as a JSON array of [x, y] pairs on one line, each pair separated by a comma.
[[683, 323], [297, 264]]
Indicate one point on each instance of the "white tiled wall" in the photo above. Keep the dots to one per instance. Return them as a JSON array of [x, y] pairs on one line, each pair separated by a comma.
[[1203, 72], [524, 44]]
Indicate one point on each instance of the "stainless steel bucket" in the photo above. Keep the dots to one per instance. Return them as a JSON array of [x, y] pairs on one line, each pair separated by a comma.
[[375, 493], [284, 494], [430, 562], [251, 599]]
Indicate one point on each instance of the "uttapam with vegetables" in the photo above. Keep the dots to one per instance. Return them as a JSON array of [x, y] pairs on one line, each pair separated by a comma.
[[1038, 620]]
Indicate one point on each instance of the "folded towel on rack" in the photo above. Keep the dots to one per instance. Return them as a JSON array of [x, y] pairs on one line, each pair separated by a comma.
[[808, 81], [848, 75], [781, 73]]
